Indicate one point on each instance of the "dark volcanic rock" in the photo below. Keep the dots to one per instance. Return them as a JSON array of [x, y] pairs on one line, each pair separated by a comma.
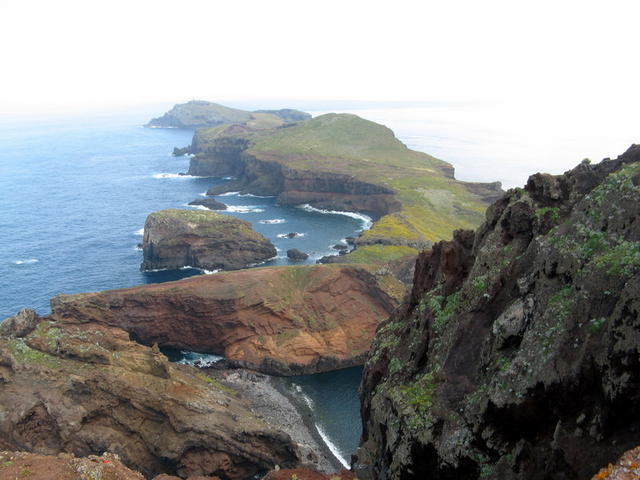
[[83, 387], [340, 247], [179, 152], [517, 354], [292, 235], [295, 254], [201, 239], [210, 203]]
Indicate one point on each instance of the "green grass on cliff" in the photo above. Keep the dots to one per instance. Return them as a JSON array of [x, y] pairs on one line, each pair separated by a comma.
[[433, 203], [208, 221]]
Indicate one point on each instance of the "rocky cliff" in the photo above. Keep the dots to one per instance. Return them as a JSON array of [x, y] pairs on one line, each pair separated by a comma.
[[343, 162], [201, 239], [516, 355], [85, 388], [280, 320]]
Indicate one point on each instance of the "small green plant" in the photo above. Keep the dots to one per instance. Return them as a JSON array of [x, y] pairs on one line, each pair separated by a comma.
[[395, 365], [560, 304], [480, 283], [553, 213], [597, 324], [622, 259], [443, 310]]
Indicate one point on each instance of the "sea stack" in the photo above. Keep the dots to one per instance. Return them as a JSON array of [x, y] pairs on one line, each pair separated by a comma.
[[201, 239]]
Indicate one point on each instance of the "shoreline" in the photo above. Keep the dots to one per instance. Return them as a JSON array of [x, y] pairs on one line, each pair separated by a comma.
[[271, 401]]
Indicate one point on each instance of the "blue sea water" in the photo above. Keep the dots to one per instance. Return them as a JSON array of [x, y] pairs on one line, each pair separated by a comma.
[[74, 195]]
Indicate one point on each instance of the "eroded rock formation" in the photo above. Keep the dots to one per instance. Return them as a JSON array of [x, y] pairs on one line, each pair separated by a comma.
[[282, 320], [517, 354], [85, 388]]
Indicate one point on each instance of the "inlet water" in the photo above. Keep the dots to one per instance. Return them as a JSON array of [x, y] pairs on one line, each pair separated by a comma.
[[74, 197]]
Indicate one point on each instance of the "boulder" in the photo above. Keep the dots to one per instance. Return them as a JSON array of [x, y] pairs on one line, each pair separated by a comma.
[[295, 254], [210, 203]]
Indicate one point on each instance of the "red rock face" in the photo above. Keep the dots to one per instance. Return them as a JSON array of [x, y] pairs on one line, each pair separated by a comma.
[[31, 466], [86, 389], [286, 320], [626, 468]]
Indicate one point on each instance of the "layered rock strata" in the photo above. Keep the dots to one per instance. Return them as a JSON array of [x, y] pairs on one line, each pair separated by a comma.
[[85, 388], [279, 320]]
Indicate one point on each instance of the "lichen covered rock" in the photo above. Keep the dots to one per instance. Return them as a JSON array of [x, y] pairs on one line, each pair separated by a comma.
[[517, 354]]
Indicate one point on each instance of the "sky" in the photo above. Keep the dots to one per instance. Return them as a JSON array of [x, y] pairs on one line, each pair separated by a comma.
[[81, 55]]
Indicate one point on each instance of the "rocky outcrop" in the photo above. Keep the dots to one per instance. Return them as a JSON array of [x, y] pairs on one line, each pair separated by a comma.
[[84, 388], [279, 320], [201, 239], [516, 355], [304, 474], [24, 465], [626, 468], [210, 203], [295, 254]]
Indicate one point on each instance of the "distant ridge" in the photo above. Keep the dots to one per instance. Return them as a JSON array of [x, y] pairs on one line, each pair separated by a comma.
[[200, 113]]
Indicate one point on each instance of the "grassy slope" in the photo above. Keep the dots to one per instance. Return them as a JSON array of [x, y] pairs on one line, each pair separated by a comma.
[[433, 204]]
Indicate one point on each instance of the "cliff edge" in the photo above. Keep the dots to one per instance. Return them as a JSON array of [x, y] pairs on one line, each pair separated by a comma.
[[516, 355]]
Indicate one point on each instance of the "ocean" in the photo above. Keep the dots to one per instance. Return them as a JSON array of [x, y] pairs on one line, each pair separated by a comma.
[[75, 192]]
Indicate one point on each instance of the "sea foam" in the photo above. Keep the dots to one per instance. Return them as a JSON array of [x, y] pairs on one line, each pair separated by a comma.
[[201, 360], [244, 209], [365, 219], [273, 221], [26, 261], [139, 232]]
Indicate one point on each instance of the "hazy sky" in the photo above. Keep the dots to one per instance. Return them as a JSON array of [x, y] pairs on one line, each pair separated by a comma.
[[68, 55]]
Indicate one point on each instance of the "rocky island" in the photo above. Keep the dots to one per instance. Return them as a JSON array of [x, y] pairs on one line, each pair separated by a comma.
[[199, 113], [201, 239]]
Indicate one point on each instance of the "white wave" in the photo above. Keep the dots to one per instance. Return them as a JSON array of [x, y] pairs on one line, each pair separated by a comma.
[[140, 231], [255, 196], [273, 221], [157, 126], [203, 270], [332, 447], [137, 248], [175, 175], [286, 235], [199, 207], [26, 261], [228, 178], [201, 360], [244, 209], [228, 194], [203, 194], [365, 219]]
